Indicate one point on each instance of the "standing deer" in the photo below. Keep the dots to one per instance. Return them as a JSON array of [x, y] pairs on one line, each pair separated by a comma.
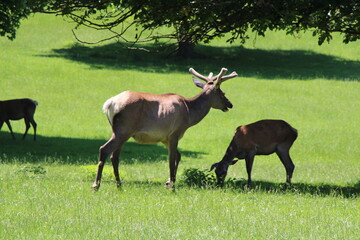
[[150, 118], [17, 109], [260, 138]]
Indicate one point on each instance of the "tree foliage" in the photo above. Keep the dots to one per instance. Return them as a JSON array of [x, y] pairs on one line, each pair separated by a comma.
[[10, 14], [12, 11], [200, 20]]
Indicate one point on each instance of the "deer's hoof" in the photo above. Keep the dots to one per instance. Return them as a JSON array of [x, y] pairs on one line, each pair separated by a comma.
[[118, 185], [169, 185], [95, 187]]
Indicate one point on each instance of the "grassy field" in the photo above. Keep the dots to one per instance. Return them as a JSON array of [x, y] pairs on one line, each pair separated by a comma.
[[45, 185]]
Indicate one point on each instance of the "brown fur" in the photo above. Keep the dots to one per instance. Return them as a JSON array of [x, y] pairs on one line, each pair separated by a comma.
[[17, 109], [152, 118], [260, 138]]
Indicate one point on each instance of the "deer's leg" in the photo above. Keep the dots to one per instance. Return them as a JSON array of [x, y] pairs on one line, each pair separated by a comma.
[[177, 161], [174, 159], [10, 128], [115, 162], [283, 153], [249, 160], [105, 150], [33, 123], [29, 118], [27, 125]]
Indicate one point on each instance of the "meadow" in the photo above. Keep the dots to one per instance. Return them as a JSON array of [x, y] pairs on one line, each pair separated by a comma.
[[45, 186]]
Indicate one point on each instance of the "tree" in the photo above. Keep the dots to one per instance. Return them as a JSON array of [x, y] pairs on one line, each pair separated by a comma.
[[10, 14], [194, 21], [323, 17], [190, 21], [12, 11]]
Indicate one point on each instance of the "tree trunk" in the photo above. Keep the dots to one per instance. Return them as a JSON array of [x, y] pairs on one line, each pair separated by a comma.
[[186, 49]]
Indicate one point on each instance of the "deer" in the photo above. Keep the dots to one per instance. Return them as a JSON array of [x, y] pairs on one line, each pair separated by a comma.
[[17, 109], [263, 137], [152, 118]]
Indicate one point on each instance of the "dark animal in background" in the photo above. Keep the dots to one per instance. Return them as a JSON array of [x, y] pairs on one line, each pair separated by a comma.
[[260, 138], [17, 109], [151, 118]]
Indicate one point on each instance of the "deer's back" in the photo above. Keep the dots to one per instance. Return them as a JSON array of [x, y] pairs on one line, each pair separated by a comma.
[[16, 109], [265, 135], [149, 117]]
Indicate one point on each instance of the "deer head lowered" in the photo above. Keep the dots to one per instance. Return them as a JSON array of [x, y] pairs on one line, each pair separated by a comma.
[[263, 137], [151, 118]]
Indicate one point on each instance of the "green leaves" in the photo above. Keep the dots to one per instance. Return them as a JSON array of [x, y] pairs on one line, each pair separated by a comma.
[[198, 178], [33, 170], [195, 21]]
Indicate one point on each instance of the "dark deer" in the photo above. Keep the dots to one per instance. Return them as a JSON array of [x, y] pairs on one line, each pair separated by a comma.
[[260, 138], [17, 109], [150, 118]]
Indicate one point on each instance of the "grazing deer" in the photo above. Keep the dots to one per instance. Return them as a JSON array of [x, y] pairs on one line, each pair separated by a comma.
[[17, 109], [150, 118], [260, 138]]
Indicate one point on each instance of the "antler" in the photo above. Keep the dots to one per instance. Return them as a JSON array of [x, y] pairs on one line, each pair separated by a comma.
[[218, 78], [227, 77], [222, 72], [196, 74]]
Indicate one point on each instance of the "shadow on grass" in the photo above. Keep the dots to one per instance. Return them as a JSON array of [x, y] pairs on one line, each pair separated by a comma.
[[240, 186], [349, 191], [75, 150], [204, 179], [265, 64]]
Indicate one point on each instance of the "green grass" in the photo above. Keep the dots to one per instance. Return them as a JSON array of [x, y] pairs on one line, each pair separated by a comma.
[[45, 185]]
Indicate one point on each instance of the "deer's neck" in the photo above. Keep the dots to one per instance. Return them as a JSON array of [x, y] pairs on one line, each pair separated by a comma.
[[198, 107], [230, 154]]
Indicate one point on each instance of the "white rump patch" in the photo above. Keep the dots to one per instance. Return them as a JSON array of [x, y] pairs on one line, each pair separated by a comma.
[[114, 105]]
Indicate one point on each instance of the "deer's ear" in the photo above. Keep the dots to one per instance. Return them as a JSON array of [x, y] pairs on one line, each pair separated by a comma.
[[198, 83]]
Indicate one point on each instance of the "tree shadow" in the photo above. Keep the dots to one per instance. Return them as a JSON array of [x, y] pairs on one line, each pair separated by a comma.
[[265, 64], [348, 191], [75, 150]]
